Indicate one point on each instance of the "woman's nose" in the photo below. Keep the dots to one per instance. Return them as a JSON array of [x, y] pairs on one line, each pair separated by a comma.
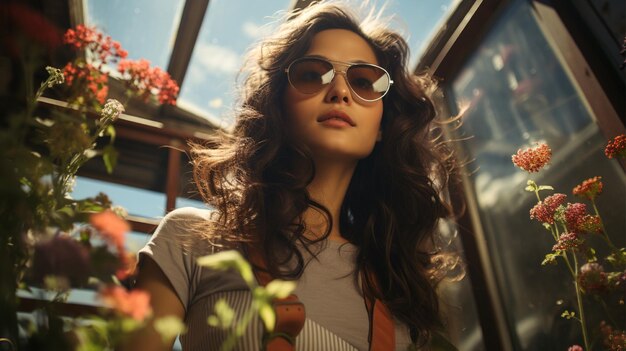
[[339, 90]]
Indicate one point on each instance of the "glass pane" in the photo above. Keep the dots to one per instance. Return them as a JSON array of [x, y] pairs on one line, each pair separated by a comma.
[[138, 202], [229, 27], [456, 298], [612, 13], [518, 94], [418, 21], [145, 28]]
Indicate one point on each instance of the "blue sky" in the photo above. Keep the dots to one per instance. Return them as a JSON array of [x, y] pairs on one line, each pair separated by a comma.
[[147, 29]]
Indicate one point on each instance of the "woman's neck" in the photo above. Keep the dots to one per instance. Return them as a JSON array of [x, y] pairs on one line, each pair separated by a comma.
[[328, 188]]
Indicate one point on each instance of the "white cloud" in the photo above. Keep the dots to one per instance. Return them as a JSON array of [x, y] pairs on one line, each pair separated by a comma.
[[254, 30], [219, 59]]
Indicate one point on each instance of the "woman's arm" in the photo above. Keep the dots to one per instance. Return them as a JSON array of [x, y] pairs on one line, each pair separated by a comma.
[[164, 302]]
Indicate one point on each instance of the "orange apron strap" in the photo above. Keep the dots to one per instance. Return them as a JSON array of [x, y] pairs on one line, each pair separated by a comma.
[[290, 312], [382, 332]]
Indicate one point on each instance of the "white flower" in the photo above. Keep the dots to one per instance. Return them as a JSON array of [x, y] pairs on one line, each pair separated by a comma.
[[112, 109], [56, 76]]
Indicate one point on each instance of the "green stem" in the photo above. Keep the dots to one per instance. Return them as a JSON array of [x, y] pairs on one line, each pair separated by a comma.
[[240, 329], [579, 298], [605, 235]]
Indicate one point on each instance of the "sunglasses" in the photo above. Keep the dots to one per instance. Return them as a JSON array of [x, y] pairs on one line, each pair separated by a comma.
[[310, 75]]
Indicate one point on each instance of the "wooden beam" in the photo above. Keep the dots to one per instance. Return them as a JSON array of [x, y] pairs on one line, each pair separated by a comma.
[[173, 178], [186, 38]]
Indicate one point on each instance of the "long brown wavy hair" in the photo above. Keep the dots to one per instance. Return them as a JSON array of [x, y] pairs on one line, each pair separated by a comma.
[[256, 177]]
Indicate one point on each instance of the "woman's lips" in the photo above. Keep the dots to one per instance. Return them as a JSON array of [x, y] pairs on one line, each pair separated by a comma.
[[336, 118]]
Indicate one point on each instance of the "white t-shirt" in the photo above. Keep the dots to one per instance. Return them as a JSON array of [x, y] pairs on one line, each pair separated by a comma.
[[336, 317]]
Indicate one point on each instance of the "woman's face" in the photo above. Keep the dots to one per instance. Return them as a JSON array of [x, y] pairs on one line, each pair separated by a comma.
[[334, 123]]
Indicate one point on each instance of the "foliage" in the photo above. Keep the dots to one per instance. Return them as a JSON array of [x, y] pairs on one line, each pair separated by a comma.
[[262, 297], [49, 239], [600, 281]]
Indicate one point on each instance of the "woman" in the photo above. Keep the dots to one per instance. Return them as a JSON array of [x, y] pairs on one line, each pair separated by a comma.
[[329, 175]]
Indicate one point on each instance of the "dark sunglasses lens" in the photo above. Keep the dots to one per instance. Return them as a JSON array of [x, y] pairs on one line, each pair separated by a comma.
[[309, 76], [369, 82]]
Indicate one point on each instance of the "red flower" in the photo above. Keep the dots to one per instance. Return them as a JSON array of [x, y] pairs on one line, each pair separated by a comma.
[[592, 278], [89, 38], [91, 82], [149, 81], [135, 304], [544, 210], [111, 227], [567, 241], [616, 147], [612, 339], [533, 159], [589, 188], [575, 215], [575, 348], [590, 224]]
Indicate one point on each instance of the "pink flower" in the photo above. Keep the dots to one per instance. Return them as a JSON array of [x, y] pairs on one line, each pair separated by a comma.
[[575, 348], [589, 188], [575, 215], [135, 304], [567, 241], [592, 278], [544, 210], [616, 147], [533, 159], [111, 227]]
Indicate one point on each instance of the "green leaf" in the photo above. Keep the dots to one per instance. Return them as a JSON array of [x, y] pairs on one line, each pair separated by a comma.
[[531, 186], [224, 315], [110, 131], [549, 259], [169, 327], [229, 259], [280, 288], [109, 155], [267, 315], [545, 187]]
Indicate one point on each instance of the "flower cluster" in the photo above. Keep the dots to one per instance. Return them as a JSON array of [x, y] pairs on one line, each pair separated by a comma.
[[56, 76], [82, 74], [592, 278], [567, 241], [545, 210], [134, 304], [616, 147], [112, 109], [89, 72], [611, 338], [604, 279], [88, 38], [147, 81], [574, 215], [533, 159], [589, 188]]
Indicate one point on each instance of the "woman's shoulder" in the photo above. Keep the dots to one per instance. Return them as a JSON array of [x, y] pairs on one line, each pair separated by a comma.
[[187, 226], [189, 214]]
